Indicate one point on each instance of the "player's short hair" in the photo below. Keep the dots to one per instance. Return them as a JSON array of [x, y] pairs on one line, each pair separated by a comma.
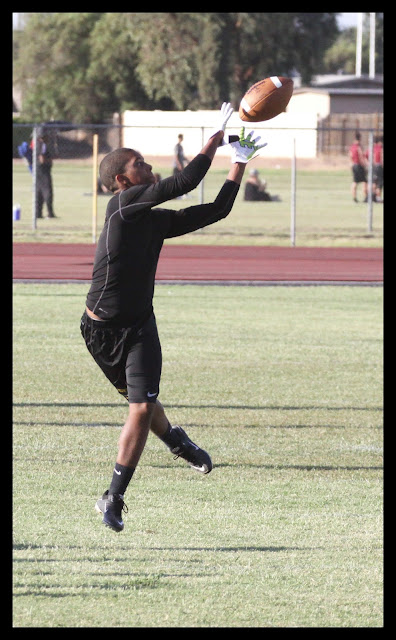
[[113, 164]]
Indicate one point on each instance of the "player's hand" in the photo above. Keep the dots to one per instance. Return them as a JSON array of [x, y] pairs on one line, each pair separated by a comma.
[[226, 112], [246, 147]]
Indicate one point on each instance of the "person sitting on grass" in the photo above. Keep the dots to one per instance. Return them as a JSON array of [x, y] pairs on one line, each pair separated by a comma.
[[255, 189]]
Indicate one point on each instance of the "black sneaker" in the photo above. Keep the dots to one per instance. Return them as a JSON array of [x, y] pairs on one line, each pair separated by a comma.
[[112, 507], [197, 458]]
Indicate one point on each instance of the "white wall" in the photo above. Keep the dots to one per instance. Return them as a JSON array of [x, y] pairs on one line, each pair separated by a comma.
[[155, 132], [313, 101]]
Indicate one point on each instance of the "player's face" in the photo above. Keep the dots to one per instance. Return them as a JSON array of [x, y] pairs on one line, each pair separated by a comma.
[[136, 172]]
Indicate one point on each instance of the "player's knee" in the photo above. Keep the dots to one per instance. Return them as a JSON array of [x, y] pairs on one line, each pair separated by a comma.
[[142, 410]]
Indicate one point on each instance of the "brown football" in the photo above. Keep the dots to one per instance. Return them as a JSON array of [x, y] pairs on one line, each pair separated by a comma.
[[266, 99]]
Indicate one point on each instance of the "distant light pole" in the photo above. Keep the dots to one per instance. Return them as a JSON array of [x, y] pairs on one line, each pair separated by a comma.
[[372, 46], [359, 39]]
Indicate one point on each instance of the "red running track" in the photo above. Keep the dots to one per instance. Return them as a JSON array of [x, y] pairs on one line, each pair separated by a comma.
[[211, 263]]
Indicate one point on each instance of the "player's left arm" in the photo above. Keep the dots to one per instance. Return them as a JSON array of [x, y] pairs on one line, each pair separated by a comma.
[[145, 196], [201, 215], [193, 218]]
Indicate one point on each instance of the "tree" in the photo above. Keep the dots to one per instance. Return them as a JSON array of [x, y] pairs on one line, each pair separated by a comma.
[[342, 54], [212, 66], [167, 58], [82, 67], [258, 45], [114, 57], [313, 34], [52, 63]]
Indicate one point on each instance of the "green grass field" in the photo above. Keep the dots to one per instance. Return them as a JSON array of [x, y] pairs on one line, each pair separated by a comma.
[[325, 212], [283, 386]]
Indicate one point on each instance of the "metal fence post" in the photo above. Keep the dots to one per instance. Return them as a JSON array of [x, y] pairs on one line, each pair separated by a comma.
[[293, 197], [370, 185], [201, 186], [94, 187]]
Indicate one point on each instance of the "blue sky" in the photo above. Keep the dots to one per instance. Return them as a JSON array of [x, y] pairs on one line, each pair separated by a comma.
[[346, 20]]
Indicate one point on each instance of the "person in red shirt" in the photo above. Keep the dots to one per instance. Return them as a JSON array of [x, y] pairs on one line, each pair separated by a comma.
[[378, 167], [359, 167]]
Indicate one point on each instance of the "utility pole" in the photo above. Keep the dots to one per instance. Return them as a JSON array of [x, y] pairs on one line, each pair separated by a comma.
[[372, 46], [359, 39]]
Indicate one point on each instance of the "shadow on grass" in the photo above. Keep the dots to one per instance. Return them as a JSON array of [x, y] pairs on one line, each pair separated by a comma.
[[242, 407], [265, 549], [299, 467]]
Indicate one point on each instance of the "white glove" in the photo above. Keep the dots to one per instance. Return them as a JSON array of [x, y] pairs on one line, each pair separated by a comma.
[[226, 112], [245, 148]]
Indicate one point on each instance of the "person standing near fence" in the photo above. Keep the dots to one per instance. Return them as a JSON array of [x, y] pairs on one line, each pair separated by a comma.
[[179, 159], [359, 167], [118, 324], [44, 188], [378, 168]]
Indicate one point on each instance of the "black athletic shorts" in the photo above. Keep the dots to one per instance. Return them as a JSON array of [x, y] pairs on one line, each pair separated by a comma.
[[359, 173], [131, 359], [378, 175]]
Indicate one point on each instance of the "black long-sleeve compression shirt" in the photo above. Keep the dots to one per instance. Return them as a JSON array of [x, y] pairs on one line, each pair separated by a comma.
[[129, 246]]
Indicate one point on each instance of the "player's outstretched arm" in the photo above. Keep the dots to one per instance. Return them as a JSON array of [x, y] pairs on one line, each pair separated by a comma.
[[195, 171], [236, 172], [212, 145], [217, 137], [243, 150]]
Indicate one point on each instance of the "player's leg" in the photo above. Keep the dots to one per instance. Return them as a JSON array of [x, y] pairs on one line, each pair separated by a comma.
[[136, 375], [117, 350], [48, 191], [143, 373], [134, 434], [39, 200], [131, 443], [178, 441]]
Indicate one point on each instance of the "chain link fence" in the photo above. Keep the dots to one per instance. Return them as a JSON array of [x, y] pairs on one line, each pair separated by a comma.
[[311, 202]]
